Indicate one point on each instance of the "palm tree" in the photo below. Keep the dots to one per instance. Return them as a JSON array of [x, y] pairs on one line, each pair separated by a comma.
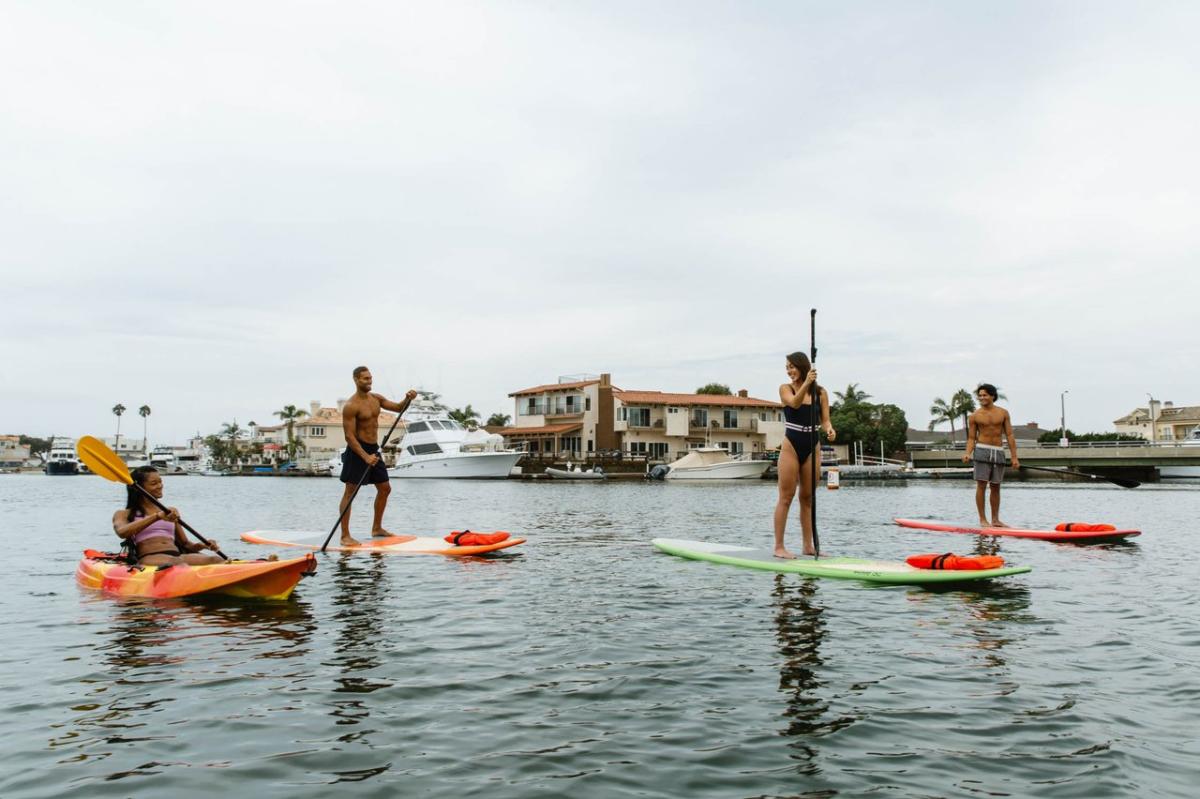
[[289, 414], [233, 432], [852, 395], [465, 415], [433, 399], [144, 412], [943, 411], [118, 409], [964, 404], [498, 420]]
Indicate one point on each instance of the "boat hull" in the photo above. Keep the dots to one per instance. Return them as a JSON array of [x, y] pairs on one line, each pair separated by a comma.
[[478, 465], [732, 470]]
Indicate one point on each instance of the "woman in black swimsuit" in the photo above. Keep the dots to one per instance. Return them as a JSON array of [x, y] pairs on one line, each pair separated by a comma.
[[796, 460]]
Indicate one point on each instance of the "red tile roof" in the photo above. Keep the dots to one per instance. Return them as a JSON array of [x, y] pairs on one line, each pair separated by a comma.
[[663, 398], [553, 386]]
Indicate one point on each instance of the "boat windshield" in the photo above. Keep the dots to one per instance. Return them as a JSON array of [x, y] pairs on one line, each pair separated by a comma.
[[418, 427]]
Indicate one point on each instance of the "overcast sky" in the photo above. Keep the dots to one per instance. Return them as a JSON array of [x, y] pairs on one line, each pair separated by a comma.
[[220, 208]]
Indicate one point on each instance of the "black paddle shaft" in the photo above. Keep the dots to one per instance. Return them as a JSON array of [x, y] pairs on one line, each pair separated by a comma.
[[815, 415], [182, 523], [357, 486]]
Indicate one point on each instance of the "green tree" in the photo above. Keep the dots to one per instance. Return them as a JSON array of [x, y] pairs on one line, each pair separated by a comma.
[[719, 389], [289, 414], [117, 410], [943, 411], [464, 416], [851, 395], [144, 412], [231, 432], [870, 423], [963, 403], [36, 445], [498, 420]]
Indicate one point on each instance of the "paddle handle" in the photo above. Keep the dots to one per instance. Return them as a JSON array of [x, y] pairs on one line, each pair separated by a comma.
[[815, 412], [358, 485], [182, 523]]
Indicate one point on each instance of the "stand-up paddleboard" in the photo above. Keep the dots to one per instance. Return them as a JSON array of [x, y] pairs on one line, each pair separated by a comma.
[[1072, 537], [395, 544], [871, 571]]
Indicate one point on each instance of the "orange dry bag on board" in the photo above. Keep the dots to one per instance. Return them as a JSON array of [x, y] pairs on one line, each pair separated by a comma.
[[466, 538], [1083, 527], [956, 562]]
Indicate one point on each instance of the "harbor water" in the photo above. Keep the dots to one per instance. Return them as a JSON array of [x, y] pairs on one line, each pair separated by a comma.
[[586, 664]]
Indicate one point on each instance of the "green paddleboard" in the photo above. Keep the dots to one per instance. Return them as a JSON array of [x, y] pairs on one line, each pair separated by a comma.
[[871, 571]]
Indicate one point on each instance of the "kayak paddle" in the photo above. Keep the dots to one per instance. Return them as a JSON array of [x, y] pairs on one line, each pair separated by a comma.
[[815, 413], [104, 462], [346, 509], [1121, 481]]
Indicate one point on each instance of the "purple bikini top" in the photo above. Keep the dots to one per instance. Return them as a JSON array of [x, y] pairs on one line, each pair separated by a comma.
[[159, 529]]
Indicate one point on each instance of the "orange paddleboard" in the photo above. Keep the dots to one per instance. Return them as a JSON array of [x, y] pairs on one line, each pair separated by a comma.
[[396, 544]]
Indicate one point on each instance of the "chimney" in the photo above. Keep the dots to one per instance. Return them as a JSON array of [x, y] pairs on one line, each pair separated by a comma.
[[606, 435], [743, 393], [314, 408]]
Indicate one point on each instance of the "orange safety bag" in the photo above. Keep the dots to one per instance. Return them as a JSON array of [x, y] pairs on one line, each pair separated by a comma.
[[465, 538], [951, 561], [1083, 527]]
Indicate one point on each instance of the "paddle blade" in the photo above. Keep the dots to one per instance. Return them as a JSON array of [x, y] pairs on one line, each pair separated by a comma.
[[102, 460]]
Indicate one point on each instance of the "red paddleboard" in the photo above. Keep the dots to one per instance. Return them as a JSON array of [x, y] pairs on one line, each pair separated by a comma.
[[1073, 537]]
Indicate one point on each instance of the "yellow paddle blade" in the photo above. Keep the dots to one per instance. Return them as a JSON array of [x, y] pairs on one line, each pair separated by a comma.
[[102, 460]]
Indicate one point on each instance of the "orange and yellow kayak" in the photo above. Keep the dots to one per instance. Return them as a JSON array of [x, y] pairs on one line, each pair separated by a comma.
[[251, 579]]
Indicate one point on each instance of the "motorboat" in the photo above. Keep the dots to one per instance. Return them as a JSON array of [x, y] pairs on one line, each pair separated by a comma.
[[434, 445], [62, 459], [575, 472], [712, 463]]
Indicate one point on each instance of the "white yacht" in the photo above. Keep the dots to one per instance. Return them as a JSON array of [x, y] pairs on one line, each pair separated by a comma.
[[435, 445], [714, 463], [62, 458]]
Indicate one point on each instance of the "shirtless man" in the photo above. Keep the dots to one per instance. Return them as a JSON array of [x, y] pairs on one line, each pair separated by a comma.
[[984, 430], [361, 462]]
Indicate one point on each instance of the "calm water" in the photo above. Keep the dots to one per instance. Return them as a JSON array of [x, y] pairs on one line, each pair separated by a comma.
[[588, 665]]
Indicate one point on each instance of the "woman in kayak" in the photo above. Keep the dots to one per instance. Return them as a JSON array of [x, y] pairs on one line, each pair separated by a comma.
[[796, 461], [156, 536]]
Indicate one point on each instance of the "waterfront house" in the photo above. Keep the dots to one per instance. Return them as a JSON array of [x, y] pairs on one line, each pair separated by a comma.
[[13, 454], [581, 416], [1160, 421], [323, 436]]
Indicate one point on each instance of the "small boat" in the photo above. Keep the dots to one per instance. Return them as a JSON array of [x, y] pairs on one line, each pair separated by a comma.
[[248, 579], [712, 463], [574, 472]]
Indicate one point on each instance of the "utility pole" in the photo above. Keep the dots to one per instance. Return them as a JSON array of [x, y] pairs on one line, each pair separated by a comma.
[[1062, 400]]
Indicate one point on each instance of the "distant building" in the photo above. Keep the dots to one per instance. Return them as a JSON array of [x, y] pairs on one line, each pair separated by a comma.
[[323, 437], [581, 416], [1026, 435], [13, 453], [1160, 421]]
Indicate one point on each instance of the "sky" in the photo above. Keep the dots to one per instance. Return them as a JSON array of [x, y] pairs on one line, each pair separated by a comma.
[[221, 208]]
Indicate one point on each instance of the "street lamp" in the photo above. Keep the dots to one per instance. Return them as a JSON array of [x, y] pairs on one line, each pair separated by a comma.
[[1062, 402], [1151, 416]]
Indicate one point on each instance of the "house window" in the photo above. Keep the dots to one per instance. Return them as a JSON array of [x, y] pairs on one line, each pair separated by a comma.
[[658, 449], [587, 403], [639, 417], [731, 419], [735, 447], [623, 414], [637, 448], [316, 432], [700, 417]]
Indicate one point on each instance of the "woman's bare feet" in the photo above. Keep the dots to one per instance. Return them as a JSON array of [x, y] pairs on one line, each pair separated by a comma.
[[349, 541], [379, 532], [998, 523], [780, 552]]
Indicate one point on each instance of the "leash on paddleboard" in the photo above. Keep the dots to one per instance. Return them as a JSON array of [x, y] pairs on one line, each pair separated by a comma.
[[815, 412], [350, 502]]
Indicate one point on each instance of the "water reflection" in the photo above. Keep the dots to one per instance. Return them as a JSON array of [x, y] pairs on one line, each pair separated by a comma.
[[143, 646], [800, 629]]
